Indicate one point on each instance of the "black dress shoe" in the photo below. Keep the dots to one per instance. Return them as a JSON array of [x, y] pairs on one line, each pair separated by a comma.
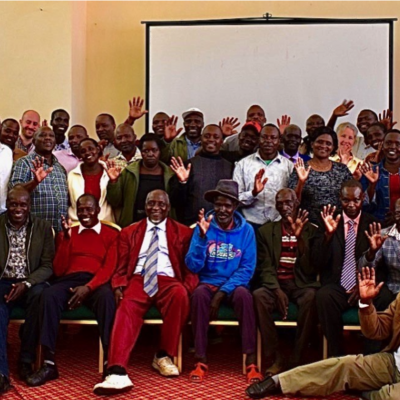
[[25, 370], [46, 373], [4, 384], [267, 387]]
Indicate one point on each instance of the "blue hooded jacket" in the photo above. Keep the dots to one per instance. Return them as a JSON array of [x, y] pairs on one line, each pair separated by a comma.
[[226, 259]]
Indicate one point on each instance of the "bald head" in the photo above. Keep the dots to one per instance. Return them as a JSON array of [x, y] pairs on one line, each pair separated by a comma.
[[18, 205], [30, 123], [125, 140], [157, 206]]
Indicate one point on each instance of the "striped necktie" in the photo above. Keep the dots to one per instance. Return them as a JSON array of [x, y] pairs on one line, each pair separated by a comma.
[[150, 285], [348, 279]]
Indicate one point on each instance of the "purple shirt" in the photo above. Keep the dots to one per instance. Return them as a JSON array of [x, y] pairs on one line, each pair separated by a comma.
[[67, 159]]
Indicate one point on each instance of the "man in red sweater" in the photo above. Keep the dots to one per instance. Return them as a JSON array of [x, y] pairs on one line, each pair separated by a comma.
[[86, 257], [151, 270]]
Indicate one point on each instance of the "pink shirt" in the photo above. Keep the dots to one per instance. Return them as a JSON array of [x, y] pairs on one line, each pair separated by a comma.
[[346, 219], [67, 159]]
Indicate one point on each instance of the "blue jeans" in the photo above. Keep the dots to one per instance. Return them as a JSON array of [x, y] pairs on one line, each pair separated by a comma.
[[29, 331]]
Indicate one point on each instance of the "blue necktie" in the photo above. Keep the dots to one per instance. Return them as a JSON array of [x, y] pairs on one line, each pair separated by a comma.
[[348, 279], [150, 285]]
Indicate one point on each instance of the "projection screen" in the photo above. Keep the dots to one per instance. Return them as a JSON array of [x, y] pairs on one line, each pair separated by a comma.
[[294, 69]]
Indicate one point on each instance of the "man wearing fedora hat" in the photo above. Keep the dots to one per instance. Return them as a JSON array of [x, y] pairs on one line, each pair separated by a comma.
[[223, 254]]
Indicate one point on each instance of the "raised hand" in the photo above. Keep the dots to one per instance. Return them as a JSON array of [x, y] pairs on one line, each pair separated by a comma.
[[38, 170], [283, 123], [367, 287], [170, 132], [103, 143], [298, 224], [66, 224], [228, 126], [330, 222], [386, 118], [301, 170], [375, 237], [259, 182], [357, 174], [204, 223], [180, 170], [343, 109], [136, 108], [369, 173], [44, 123], [113, 171]]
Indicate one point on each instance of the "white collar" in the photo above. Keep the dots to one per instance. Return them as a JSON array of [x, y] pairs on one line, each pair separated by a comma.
[[394, 232], [162, 225], [96, 228]]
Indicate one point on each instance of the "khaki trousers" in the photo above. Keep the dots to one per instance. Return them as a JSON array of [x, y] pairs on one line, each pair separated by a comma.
[[376, 374]]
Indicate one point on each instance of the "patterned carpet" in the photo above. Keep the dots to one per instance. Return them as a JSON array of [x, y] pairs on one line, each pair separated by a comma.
[[77, 354]]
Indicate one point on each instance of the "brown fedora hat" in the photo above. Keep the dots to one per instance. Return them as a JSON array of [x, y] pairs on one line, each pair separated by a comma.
[[225, 187]]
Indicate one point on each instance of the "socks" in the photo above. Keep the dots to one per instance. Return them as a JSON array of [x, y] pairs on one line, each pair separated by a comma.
[[275, 378], [116, 370], [161, 354]]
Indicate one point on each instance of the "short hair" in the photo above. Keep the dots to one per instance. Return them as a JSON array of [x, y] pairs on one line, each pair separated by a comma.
[[40, 130], [19, 188], [372, 112], [78, 126], [392, 131], [255, 105], [292, 192], [157, 190], [89, 139], [351, 183], [379, 125], [150, 137], [56, 111], [214, 126], [344, 126], [160, 113], [315, 116], [10, 120], [124, 125], [326, 130], [269, 125], [108, 116], [293, 126], [90, 196]]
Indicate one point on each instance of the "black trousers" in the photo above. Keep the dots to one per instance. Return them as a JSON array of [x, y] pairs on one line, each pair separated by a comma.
[[332, 302], [54, 300], [265, 303]]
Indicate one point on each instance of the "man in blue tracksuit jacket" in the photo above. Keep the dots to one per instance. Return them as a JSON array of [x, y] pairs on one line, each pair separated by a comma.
[[223, 253]]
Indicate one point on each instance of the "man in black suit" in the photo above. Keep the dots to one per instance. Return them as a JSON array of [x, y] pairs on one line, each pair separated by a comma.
[[338, 244]]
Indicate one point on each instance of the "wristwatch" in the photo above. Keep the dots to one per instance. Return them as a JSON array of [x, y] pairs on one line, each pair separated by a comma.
[[27, 284]]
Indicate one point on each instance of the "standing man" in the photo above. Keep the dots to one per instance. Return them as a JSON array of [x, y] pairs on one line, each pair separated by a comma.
[[105, 127], [30, 123], [151, 270], [291, 139], [125, 142], [6, 165], [202, 173], [223, 253], [26, 257], [9, 135], [364, 120], [260, 176], [339, 243], [71, 157], [159, 123], [45, 178], [285, 272], [86, 258], [60, 122]]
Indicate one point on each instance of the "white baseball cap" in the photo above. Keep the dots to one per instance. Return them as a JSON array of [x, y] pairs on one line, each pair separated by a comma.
[[192, 111]]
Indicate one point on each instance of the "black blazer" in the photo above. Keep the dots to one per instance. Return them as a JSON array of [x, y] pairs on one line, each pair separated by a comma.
[[329, 256]]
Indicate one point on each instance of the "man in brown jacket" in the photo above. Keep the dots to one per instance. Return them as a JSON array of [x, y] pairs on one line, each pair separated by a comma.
[[376, 376]]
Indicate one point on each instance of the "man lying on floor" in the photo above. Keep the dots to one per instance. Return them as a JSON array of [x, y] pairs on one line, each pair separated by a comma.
[[376, 376]]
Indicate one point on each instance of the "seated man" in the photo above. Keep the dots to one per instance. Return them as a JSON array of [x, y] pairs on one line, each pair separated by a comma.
[[223, 253], [85, 260], [26, 256], [151, 270], [386, 254], [376, 376], [339, 242], [284, 272]]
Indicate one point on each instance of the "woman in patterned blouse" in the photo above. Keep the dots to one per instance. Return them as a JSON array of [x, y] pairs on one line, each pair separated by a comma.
[[318, 182]]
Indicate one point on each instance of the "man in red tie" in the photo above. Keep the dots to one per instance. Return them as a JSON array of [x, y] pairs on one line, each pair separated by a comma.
[[151, 270]]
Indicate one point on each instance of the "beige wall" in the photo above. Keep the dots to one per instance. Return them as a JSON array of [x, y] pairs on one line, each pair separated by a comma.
[[90, 57]]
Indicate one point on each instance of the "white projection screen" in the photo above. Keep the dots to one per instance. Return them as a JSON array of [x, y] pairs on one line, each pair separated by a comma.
[[293, 69]]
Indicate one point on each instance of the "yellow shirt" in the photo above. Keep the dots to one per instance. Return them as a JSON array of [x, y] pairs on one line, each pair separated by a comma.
[[351, 165]]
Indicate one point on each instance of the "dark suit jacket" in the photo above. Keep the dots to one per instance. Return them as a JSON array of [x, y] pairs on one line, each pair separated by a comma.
[[130, 242], [329, 256], [269, 247]]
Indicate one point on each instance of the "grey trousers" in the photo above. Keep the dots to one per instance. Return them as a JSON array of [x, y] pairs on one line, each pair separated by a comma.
[[376, 374]]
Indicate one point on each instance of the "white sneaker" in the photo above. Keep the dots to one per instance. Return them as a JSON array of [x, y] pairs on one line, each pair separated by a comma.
[[165, 366], [113, 384]]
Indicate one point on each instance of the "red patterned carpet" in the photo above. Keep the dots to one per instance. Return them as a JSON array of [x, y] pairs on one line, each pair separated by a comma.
[[77, 361]]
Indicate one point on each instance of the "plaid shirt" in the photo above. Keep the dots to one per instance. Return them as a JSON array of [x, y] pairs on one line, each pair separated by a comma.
[[120, 160], [389, 254], [20, 145], [50, 198]]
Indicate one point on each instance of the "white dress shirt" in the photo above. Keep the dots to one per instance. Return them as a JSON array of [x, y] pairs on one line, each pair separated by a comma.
[[164, 266], [6, 164], [261, 209], [96, 228]]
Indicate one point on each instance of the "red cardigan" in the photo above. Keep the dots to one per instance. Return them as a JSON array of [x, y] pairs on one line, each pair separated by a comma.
[[130, 242]]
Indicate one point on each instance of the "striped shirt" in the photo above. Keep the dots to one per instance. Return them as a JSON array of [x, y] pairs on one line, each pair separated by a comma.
[[50, 198], [288, 256]]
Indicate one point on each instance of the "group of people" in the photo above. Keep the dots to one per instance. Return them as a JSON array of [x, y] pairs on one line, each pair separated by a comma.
[[254, 219]]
